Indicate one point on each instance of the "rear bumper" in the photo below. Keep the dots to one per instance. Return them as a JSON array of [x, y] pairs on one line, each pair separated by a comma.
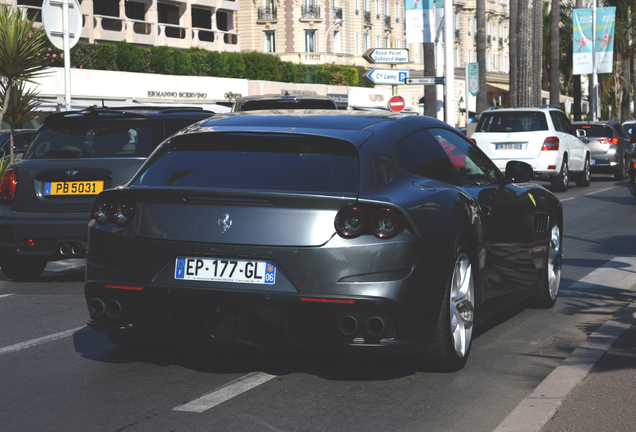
[[49, 231]]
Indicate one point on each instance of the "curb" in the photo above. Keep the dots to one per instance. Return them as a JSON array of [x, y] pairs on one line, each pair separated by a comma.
[[540, 406]]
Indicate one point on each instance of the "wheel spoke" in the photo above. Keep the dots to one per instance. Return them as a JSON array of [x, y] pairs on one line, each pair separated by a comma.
[[461, 305]]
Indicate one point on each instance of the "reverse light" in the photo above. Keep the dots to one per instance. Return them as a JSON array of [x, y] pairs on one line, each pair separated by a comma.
[[550, 143], [124, 212], [350, 222], [102, 211], [8, 185]]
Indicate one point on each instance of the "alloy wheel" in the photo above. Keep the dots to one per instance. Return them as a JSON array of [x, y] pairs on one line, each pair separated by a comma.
[[554, 262], [462, 300]]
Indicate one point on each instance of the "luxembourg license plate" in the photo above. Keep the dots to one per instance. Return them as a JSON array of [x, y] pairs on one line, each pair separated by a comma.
[[509, 146], [225, 270], [74, 188]]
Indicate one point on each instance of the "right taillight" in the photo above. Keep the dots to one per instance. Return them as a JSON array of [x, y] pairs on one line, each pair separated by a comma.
[[382, 222], [120, 212], [550, 143], [350, 222], [8, 184]]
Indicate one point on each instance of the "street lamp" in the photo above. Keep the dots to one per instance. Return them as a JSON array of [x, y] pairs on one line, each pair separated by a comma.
[[337, 21]]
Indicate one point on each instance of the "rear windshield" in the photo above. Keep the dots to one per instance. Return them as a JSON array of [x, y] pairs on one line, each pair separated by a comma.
[[288, 104], [512, 122], [596, 130], [254, 161], [92, 140]]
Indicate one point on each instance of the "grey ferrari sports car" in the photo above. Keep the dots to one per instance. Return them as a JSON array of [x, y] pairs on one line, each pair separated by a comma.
[[326, 229]]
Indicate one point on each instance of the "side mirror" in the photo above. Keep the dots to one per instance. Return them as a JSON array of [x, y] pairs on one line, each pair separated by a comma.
[[519, 172], [580, 133]]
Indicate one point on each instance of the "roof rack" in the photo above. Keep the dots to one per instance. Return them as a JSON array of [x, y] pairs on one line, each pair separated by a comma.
[[494, 107], [550, 106]]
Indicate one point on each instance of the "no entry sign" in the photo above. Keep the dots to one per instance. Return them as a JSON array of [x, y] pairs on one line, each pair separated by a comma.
[[396, 103]]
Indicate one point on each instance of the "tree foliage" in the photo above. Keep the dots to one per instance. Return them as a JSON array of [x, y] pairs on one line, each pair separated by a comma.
[[22, 104]]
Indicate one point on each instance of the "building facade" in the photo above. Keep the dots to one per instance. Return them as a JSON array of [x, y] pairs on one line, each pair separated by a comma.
[[207, 24]]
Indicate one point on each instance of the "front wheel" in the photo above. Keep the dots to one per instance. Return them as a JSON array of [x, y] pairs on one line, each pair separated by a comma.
[[560, 182], [451, 344], [548, 288], [22, 269], [586, 177]]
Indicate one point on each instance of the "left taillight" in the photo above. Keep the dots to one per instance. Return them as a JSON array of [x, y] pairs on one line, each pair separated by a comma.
[[8, 185], [120, 212]]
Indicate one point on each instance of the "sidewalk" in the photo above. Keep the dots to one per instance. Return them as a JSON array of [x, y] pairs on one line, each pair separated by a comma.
[[606, 399], [593, 390]]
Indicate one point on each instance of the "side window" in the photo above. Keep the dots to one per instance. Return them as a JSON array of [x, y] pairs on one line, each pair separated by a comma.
[[421, 154], [621, 132], [567, 126], [557, 122], [471, 165]]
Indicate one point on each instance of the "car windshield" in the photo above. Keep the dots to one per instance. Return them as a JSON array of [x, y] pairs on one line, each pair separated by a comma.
[[92, 140], [596, 130], [512, 122], [288, 104], [254, 161]]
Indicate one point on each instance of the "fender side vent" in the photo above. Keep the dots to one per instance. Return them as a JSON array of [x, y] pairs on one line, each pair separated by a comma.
[[541, 223]]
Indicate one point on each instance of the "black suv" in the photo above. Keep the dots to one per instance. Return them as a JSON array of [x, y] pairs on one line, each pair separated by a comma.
[[46, 199]]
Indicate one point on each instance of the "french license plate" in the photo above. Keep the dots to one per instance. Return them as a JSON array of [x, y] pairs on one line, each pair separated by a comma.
[[74, 188], [225, 270], [509, 146]]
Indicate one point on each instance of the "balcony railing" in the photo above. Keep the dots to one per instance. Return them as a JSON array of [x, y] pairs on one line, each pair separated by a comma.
[[500, 42], [387, 21], [457, 35], [489, 39], [311, 12], [337, 13], [267, 13], [367, 17]]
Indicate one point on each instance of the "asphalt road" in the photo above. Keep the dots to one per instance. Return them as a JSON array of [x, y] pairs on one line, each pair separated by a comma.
[[58, 375]]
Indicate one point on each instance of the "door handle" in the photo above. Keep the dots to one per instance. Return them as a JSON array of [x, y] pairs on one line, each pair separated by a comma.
[[486, 210]]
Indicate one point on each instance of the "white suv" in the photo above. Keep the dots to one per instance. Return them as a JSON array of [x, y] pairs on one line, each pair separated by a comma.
[[542, 137]]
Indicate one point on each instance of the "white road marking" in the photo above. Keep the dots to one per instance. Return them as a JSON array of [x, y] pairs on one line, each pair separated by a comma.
[[38, 341], [542, 404], [617, 273], [6, 295], [568, 199], [599, 191], [227, 392]]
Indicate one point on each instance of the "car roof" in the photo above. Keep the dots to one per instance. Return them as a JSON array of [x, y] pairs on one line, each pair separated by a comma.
[[285, 96], [354, 126], [133, 112]]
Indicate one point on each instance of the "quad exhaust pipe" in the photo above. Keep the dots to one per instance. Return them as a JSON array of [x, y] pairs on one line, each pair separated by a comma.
[[71, 249], [375, 327], [112, 309]]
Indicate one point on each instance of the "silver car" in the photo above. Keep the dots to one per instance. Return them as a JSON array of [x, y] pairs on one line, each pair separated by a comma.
[[610, 146]]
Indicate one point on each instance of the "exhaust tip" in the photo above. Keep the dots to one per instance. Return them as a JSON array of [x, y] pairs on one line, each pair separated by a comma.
[[113, 309], [376, 326], [77, 249], [96, 307], [64, 249], [348, 325]]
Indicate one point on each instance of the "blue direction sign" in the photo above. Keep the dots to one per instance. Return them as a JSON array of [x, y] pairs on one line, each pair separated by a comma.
[[386, 76]]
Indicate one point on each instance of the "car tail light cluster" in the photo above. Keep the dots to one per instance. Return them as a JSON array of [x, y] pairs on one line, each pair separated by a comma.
[[383, 223], [120, 212], [550, 143], [612, 141], [8, 184]]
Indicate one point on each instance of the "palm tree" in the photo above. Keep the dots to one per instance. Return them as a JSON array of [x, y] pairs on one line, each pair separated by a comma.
[[20, 45], [554, 53], [513, 54], [537, 52], [482, 96], [20, 106]]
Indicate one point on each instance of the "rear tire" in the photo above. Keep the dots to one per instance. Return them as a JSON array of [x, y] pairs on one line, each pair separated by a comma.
[[586, 177], [622, 173], [548, 289], [22, 269], [560, 182], [452, 341]]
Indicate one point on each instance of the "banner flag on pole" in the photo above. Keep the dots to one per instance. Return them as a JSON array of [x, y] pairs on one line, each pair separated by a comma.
[[582, 41], [605, 26], [439, 18], [419, 21]]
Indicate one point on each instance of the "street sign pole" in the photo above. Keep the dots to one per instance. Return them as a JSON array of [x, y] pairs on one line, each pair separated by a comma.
[[449, 100], [394, 90], [67, 57], [467, 92]]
